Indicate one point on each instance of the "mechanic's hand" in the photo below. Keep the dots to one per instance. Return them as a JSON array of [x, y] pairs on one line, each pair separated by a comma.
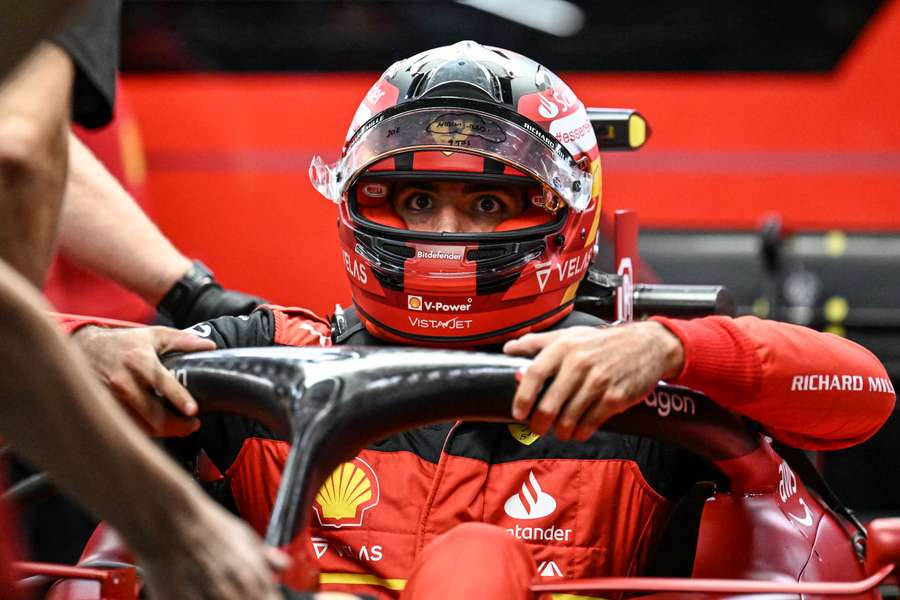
[[213, 556], [597, 373], [196, 296], [127, 362]]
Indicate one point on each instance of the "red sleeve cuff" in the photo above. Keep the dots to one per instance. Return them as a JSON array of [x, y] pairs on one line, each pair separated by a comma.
[[72, 323], [718, 357]]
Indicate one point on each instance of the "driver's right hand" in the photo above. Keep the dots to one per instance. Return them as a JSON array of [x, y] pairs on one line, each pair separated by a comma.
[[127, 361]]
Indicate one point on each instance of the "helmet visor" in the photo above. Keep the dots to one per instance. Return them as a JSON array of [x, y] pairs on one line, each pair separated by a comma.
[[490, 132]]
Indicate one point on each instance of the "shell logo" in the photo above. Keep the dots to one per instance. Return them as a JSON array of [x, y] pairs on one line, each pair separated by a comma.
[[414, 302], [347, 494]]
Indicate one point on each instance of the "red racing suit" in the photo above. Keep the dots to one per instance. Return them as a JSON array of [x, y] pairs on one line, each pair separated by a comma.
[[583, 509]]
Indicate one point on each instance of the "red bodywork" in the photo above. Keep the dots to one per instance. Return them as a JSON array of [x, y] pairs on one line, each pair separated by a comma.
[[766, 534]]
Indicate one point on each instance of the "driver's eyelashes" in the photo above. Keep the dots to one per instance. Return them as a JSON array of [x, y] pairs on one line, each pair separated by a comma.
[[456, 207]]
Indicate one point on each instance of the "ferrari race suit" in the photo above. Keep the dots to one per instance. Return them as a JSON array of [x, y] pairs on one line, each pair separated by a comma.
[[583, 509]]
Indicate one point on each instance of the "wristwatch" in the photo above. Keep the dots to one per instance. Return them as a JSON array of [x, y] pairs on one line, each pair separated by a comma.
[[181, 296]]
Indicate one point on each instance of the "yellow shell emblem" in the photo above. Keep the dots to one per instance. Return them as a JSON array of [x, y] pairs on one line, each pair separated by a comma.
[[347, 494], [523, 434]]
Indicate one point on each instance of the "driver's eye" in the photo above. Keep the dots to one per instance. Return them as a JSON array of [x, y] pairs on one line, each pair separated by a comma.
[[418, 202], [489, 204]]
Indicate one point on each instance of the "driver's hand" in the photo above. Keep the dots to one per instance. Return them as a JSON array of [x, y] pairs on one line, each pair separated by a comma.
[[597, 373], [127, 362]]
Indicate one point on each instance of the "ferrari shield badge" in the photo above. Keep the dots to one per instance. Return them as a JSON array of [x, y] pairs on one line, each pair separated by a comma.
[[522, 434]]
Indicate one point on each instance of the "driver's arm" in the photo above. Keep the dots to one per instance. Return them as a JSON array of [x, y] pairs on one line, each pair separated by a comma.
[[812, 390]]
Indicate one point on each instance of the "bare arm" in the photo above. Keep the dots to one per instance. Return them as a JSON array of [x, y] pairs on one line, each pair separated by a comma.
[[134, 252], [33, 158], [63, 421]]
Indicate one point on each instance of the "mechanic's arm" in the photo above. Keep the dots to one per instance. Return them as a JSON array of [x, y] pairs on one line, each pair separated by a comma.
[[810, 389], [33, 158], [131, 250], [62, 421], [134, 253]]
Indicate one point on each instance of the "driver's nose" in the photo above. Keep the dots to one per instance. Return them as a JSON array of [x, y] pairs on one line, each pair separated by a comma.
[[447, 220]]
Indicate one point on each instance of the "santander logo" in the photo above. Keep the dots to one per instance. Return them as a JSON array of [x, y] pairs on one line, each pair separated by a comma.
[[547, 108], [531, 502]]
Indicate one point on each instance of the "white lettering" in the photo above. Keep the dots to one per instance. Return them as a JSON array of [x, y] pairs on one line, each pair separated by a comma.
[[880, 384], [442, 307], [439, 254], [181, 376], [452, 323], [828, 383], [666, 403], [787, 486], [372, 554], [552, 533], [567, 269], [356, 269]]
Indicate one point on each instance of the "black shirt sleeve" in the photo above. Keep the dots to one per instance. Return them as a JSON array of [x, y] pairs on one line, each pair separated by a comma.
[[91, 39]]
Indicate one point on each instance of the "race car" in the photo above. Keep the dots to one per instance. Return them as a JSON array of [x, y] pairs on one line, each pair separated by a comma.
[[757, 528]]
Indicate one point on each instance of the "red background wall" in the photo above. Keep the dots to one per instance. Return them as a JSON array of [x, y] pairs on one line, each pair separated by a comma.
[[228, 155]]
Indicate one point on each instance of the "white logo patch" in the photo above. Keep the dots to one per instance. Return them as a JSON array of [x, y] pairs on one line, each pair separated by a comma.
[[547, 109], [543, 273], [531, 503], [807, 519], [320, 546], [549, 568], [200, 330], [573, 131]]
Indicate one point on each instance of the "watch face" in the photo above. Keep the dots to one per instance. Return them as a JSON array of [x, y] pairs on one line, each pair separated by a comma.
[[200, 273]]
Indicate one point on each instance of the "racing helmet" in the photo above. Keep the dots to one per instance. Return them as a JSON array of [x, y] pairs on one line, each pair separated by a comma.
[[480, 115]]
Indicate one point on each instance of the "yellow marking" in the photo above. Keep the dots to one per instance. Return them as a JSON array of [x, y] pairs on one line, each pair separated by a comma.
[[761, 308], [523, 434], [570, 293], [361, 579], [637, 131], [596, 191], [836, 309], [836, 330], [574, 597], [835, 243], [132, 150]]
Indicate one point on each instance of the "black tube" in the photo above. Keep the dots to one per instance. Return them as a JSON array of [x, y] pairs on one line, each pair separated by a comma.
[[681, 301]]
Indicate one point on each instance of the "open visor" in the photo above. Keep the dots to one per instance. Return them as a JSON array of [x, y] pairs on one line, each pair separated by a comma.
[[494, 133]]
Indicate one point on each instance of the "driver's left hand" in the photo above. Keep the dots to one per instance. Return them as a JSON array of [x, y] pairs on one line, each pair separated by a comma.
[[598, 373]]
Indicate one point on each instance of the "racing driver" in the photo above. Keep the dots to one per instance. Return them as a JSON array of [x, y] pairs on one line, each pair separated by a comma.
[[468, 193]]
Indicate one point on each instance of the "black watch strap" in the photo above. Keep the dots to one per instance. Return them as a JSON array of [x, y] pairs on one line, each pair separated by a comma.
[[178, 300]]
